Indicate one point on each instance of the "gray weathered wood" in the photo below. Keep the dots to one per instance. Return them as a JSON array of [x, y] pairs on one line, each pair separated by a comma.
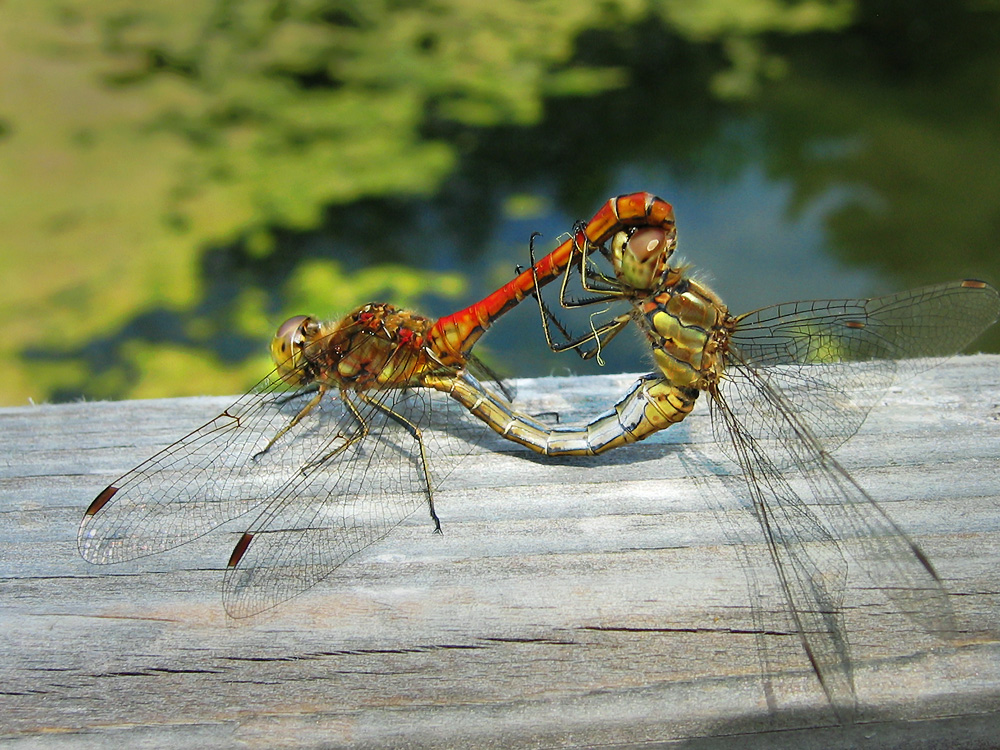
[[568, 603]]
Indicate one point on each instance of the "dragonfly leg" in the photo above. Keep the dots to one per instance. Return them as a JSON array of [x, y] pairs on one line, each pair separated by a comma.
[[603, 288], [606, 289], [415, 432], [295, 420], [356, 437], [592, 279], [289, 397], [602, 334]]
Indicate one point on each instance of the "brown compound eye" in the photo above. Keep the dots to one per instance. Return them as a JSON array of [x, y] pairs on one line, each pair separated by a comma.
[[647, 242], [640, 258], [290, 327], [286, 347]]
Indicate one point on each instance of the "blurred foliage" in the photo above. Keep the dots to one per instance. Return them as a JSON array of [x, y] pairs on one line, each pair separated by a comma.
[[136, 137], [179, 176], [905, 107]]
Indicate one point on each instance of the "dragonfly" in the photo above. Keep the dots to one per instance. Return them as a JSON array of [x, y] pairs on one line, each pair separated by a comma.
[[332, 448], [786, 384]]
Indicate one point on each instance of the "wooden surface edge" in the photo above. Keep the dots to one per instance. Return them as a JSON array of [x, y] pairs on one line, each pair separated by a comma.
[[568, 603]]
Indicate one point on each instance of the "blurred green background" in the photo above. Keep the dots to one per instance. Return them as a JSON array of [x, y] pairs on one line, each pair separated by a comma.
[[178, 176]]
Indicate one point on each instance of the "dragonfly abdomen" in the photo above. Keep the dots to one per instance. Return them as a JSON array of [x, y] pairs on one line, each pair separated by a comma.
[[651, 405]]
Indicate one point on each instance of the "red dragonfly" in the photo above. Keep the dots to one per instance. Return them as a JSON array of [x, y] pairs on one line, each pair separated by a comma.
[[786, 385], [332, 448]]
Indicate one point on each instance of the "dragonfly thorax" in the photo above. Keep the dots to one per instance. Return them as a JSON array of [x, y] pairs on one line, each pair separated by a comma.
[[688, 326], [374, 346]]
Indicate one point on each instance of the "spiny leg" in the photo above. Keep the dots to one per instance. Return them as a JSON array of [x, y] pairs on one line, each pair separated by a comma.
[[602, 287], [415, 433], [294, 421], [550, 318], [362, 433], [356, 437], [591, 278], [289, 397], [602, 334]]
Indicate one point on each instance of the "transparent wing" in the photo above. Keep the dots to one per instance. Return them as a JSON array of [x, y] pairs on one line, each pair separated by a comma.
[[771, 619], [212, 475], [756, 413], [833, 359], [335, 473], [347, 499], [811, 570]]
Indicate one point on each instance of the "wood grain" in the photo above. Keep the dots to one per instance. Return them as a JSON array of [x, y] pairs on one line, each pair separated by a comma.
[[579, 602]]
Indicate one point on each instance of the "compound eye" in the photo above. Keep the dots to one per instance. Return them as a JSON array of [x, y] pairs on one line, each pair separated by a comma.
[[647, 242], [290, 327], [286, 346], [640, 258]]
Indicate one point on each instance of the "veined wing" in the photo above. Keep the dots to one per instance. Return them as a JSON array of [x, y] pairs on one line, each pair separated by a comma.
[[772, 620], [809, 565], [893, 562], [214, 474], [833, 359], [344, 501]]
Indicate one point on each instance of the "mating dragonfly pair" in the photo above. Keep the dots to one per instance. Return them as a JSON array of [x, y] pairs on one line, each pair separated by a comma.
[[336, 446]]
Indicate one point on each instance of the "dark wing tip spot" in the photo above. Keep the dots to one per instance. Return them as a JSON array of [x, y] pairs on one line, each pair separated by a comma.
[[101, 500], [240, 549]]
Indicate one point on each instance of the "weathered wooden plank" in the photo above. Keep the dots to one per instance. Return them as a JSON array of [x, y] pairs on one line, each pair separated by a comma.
[[573, 602]]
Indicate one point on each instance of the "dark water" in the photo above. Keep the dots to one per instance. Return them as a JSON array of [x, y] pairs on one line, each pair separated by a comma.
[[867, 166]]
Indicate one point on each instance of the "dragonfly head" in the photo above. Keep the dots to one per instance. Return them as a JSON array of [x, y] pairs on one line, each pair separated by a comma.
[[287, 348], [640, 257]]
